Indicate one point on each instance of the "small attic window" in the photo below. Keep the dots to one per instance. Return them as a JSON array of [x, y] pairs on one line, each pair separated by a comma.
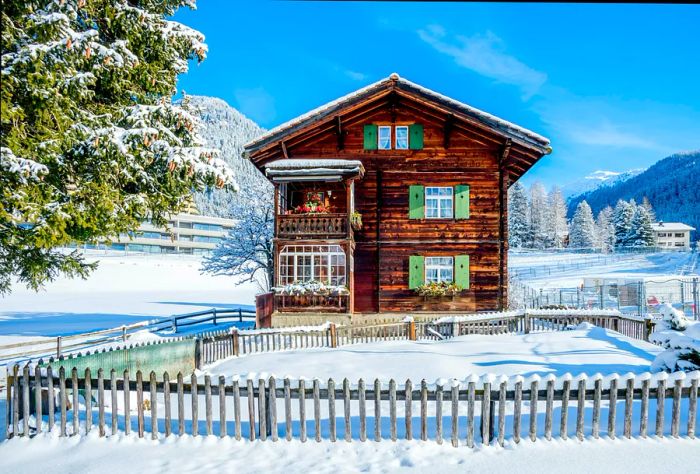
[[384, 138], [401, 137]]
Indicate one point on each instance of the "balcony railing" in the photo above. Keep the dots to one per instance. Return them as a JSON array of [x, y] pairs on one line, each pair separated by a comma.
[[312, 303], [312, 225]]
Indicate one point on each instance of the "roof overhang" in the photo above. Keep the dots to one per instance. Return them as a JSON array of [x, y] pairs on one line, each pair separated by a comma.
[[292, 170]]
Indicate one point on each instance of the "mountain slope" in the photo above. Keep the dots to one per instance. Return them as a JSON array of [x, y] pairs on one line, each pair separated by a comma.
[[671, 185], [228, 130], [596, 180]]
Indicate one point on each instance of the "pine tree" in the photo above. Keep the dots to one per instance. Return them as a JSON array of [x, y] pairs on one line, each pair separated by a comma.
[[557, 229], [538, 216], [641, 233], [606, 229], [91, 142], [583, 231], [517, 216], [622, 219], [247, 250], [647, 205]]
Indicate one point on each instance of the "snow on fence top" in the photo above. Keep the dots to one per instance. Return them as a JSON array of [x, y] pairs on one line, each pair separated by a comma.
[[529, 312]]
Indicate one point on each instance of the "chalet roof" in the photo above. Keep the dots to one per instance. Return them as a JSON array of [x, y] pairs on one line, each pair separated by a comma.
[[508, 129], [671, 226], [312, 169]]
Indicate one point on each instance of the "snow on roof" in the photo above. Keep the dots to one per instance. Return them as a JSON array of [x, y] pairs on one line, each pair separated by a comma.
[[295, 163], [523, 134], [672, 226]]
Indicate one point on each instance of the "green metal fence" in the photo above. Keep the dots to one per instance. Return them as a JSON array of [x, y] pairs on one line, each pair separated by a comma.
[[173, 357]]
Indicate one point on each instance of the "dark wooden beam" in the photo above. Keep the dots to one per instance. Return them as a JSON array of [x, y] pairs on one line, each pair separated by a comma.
[[284, 149], [447, 130], [393, 102], [340, 135], [505, 151]]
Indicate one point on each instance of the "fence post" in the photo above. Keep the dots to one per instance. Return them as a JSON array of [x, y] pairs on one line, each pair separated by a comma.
[[58, 347], [234, 341], [696, 299], [240, 315], [412, 330], [333, 335], [648, 328], [214, 311], [198, 353], [123, 333], [527, 323], [174, 321]]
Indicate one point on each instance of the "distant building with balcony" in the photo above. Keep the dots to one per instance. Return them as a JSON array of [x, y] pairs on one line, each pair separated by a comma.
[[672, 235]]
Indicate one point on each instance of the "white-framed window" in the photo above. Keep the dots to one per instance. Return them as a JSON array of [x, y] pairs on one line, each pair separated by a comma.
[[401, 141], [439, 269], [384, 137], [324, 263], [439, 202]]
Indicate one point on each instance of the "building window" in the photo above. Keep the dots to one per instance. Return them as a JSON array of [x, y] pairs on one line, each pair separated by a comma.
[[384, 138], [200, 226], [401, 137], [439, 269], [439, 202], [301, 263], [679, 234]]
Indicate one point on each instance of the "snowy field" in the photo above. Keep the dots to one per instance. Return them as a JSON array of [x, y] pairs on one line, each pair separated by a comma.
[[567, 270], [128, 454], [123, 290], [589, 351]]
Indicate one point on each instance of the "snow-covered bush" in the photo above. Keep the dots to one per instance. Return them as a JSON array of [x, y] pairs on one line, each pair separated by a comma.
[[681, 339]]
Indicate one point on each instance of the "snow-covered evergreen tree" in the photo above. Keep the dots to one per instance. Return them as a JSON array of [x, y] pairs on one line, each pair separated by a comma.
[[246, 252], [538, 216], [91, 143], [557, 229], [583, 232], [517, 216], [641, 232], [622, 219], [605, 229], [650, 209]]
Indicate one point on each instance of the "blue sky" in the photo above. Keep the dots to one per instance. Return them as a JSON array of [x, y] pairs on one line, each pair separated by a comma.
[[614, 87]]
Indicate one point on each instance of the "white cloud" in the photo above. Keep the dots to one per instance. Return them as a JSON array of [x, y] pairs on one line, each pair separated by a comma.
[[354, 75], [257, 104], [485, 55]]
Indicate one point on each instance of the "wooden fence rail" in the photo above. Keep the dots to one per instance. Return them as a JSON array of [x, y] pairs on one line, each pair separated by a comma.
[[463, 412]]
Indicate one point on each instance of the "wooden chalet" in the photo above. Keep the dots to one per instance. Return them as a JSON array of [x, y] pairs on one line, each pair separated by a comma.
[[428, 178]]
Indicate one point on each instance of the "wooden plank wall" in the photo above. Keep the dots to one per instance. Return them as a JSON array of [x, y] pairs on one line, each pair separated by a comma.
[[388, 237]]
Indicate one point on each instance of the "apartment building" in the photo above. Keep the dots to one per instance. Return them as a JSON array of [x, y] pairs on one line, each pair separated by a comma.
[[672, 235]]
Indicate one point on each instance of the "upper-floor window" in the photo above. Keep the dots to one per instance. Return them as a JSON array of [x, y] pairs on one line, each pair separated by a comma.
[[439, 202], [679, 234], [401, 139], [384, 138], [439, 269]]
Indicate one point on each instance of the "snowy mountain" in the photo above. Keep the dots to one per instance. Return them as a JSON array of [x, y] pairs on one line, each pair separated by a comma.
[[596, 180], [228, 130], [671, 185]]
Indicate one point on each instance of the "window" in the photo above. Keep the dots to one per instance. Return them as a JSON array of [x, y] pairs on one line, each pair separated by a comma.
[[680, 244], [384, 138], [200, 226], [439, 269], [401, 138], [438, 202], [679, 234], [324, 263]]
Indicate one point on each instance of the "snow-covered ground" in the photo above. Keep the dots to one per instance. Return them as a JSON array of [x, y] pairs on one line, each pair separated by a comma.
[[123, 290], [589, 351], [568, 270], [128, 454]]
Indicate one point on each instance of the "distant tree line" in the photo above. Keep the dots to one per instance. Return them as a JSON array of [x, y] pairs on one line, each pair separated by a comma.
[[537, 219]]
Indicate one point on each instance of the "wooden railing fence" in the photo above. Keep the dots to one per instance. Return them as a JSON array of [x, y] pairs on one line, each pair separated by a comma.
[[467, 412]]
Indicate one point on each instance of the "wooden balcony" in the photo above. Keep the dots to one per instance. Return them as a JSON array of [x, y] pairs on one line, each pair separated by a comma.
[[312, 303], [303, 226]]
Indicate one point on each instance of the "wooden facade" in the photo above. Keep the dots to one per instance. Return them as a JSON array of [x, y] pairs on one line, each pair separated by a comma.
[[458, 147]]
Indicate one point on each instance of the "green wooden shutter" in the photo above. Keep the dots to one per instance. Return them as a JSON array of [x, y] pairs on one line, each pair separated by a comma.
[[415, 136], [370, 136], [416, 271], [462, 201], [462, 271], [416, 202]]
